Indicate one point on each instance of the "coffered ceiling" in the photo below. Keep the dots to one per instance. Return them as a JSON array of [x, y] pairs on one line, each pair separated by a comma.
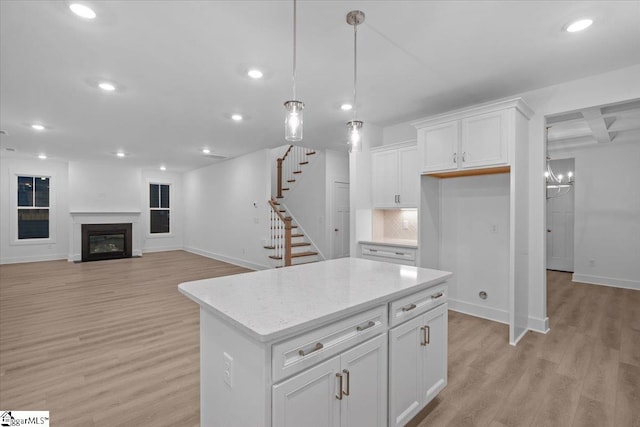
[[180, 70]]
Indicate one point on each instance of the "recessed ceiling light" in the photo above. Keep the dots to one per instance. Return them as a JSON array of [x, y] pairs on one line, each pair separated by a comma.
[[107, 87], [82, 11], [120, 154], [205, 151], [255, 74], [346, 107], [579, 25], [236, 117], [42, 156], [163, 168], [37, 126]]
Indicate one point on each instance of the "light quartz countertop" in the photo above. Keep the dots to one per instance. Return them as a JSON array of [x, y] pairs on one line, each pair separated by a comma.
[[272, 304], [400, 243]]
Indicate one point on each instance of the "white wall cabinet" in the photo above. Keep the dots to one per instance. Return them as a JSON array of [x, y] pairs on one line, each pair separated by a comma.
[[395, 176], [475, 199], [480, 140], [417, 364]]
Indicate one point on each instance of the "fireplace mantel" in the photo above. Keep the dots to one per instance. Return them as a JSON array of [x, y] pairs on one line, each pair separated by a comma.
[[79, 217]]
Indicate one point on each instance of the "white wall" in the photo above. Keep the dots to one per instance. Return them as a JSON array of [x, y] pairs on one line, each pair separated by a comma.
[[221, 220], [57, 248], [307, 200], [607, 215], [104, 187], [476, 247]]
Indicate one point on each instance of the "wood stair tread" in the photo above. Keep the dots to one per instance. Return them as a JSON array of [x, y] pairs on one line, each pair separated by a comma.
[[295, 245], [291, 180], [296, 172], [303, 163], [310, 153], [296, 255], [293, 226]]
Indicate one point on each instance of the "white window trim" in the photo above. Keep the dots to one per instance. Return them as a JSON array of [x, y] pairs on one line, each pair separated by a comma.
[[13, 203], [149, 234]]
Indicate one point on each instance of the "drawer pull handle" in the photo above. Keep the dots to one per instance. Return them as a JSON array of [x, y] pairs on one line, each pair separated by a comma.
[[317, 347], [400, 253], [408, 307], [339, 395], [346, 372], [436, 296], [373, 250], [370, 324]]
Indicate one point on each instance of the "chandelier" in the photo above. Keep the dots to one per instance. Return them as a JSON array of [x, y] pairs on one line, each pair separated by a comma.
[[557, 184]]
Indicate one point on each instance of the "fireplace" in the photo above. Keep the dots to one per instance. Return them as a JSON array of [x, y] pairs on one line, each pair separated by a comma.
[[106, 241]]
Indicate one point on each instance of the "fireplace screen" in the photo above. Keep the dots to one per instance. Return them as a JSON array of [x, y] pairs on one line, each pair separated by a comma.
[[106, 241], [99, 244]]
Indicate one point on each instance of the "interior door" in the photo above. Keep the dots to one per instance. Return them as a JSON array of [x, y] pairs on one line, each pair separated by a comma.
[[340, 233], [560, 219]]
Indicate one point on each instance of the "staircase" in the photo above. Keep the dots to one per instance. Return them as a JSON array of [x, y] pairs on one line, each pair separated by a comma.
[[287, 244]]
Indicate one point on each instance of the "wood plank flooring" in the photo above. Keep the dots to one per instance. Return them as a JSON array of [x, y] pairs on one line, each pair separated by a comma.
[[585, 372], [113, 343]]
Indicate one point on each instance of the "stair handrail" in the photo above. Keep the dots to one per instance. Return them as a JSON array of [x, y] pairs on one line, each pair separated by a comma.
[[280, 161], [281, 244]]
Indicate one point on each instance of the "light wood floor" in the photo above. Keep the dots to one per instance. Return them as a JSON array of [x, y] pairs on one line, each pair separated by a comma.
[[113, 343]]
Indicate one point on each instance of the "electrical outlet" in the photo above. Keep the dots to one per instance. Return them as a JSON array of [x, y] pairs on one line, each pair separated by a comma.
[[405, 224], [493, 229], [228, 370], [592, 263]]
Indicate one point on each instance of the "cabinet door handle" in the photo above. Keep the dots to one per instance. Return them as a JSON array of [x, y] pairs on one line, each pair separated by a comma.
[[408, 307], [369, 324], [398, 198], [426, 335], [317, 347], [464, 156], [346, 372], [455, 157], [339, 395], [436, 296]]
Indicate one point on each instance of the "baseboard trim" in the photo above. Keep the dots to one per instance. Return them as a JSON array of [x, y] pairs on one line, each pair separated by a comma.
[[539, 325], [606, 281], [36, 258], [162, 249], [224, 258], [489, 313]]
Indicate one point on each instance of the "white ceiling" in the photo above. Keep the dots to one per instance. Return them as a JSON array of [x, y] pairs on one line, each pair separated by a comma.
[[181, 67]]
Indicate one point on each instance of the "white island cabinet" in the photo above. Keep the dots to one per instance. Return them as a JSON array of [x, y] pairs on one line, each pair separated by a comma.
[[321, 344]]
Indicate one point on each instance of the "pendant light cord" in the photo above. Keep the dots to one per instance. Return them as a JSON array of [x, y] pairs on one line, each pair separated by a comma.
[[355, 68], [294, 50]]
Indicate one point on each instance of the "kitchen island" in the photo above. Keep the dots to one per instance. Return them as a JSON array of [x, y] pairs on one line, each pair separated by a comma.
[[346, 342]]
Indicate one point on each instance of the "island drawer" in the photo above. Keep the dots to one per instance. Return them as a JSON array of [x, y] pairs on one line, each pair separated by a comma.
[[410, 306], [303, 351]]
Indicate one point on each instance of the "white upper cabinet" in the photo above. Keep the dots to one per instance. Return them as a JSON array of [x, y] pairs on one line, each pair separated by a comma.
[[477, 138], [395, 171]]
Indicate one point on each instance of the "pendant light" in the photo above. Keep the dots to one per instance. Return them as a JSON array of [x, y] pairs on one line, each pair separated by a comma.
[[354, 18], [293, 119], [557, 185]]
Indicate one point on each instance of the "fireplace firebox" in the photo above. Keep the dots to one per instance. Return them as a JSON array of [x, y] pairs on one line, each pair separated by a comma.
[[106, 241]]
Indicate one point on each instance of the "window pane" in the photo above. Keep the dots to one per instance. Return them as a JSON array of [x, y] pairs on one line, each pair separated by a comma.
[[25, 191], [42, 192], [33, 223], [164, 196], [154, 196], [160, 221]]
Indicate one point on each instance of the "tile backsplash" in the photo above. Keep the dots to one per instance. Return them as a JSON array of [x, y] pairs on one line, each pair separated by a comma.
[[390, 224]]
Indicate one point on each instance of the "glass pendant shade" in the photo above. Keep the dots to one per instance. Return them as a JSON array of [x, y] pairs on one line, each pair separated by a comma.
[[355, 135], [293, 120]]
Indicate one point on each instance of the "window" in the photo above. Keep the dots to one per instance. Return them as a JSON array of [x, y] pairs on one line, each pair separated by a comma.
[[159, 208], [33, 207]]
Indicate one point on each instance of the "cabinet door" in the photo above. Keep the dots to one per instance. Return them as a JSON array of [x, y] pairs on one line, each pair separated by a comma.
[[484, 140], [384, 178], [438, 147], [365, 379], [309, 398], [434, 354], [405, 371], [408, 177]]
